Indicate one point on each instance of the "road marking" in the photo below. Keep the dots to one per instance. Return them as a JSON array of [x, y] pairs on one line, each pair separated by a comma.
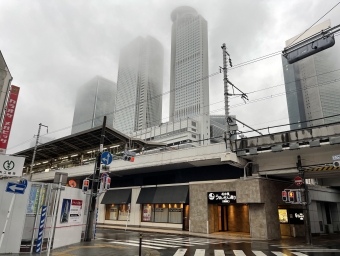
[[299, 254], [182, 243], [317, 250], [149, 242], [199, 252], [180, 252], [239, 253], [147, 246], [279, 253], [219, 253], [259, 253]]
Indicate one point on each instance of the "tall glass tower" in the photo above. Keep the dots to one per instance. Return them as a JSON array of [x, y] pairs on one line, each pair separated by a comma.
[[139, 85], [95, 99], [189, 95], [312, 85]]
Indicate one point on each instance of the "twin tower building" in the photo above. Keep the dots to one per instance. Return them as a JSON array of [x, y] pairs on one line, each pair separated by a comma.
[[134, 105]]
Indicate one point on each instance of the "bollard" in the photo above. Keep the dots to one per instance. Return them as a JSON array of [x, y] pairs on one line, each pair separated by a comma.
[[140, 244]]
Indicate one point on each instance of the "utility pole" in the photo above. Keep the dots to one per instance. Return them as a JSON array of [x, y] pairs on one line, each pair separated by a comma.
[[36, 145], [226, 94], [306, 208], [94, 190]]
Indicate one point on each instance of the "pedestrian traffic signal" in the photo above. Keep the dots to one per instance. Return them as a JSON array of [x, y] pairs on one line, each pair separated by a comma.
[[291, 196], [284, 196], [86, 185], [107, 183]]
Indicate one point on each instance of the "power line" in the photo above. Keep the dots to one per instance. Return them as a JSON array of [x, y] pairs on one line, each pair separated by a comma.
[[314, 23]]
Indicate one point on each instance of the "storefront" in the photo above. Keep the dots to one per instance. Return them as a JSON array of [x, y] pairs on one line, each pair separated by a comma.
[[167, 205], [292, 221], [231, 216], [117, 204]]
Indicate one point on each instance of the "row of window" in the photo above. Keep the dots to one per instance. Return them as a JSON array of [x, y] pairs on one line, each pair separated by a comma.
[[162, 213]]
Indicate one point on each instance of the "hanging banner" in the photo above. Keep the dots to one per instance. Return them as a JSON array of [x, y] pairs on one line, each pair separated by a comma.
[[8, 118], [33, 199], [75, 211]]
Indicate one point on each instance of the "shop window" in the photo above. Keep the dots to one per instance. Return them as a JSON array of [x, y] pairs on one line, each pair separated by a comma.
[[162, 213], [116, 212]]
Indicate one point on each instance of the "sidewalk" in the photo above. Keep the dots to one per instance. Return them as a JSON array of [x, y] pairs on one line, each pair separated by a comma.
[[217, 235]]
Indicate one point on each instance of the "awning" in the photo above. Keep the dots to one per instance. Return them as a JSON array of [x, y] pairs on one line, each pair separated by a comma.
[[119, 196], [164, 195]]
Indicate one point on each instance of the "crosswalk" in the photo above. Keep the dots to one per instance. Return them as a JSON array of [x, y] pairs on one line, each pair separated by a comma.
[[180, 247], [166, 243], [201, 252]]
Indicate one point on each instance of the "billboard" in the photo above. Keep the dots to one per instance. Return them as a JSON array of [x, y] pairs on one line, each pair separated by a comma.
[[8, 118]]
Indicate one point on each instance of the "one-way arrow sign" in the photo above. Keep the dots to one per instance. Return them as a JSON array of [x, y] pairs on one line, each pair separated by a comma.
[[15, 188]]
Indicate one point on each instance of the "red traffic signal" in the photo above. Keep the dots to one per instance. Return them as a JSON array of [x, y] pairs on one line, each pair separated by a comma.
[[107, 183], [291, 196], [86, 184], [284, 196]]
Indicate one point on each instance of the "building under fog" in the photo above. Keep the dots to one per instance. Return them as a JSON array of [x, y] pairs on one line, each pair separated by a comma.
[[95, 99], [139, 85], [312, 85], [189, 95]]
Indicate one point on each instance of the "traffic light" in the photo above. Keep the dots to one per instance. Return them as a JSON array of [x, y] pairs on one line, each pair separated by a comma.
[[107, 183], [291, 196], [129, 156], [86, 185], [284, 196]]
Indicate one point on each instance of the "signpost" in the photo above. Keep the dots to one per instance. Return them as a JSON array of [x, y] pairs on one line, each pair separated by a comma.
[[11, 166], [15, 188], [298, 181], [106, 158]]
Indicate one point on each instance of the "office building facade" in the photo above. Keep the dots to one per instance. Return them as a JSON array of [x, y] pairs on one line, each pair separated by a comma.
[[95, 99], [189, 95], [5, 84], [312, 85], [139, 85]]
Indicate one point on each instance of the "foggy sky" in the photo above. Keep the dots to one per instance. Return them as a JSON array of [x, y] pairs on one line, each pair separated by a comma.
[[52, 48]]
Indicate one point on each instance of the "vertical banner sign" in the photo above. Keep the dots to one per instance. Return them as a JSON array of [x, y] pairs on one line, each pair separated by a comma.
[[8, 118], [41, 229]]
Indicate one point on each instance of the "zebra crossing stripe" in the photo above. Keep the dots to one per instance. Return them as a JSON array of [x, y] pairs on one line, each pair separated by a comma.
[[199, 252], [182, 242], [259, 253], [299, 254], [219, 253], [174, 244], [146, 246], [180, 252], [239, 253], [279, 253], [150, 242]]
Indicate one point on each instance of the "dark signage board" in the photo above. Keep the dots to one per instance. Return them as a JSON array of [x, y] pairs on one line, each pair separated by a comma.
[[296, 216], [226, 197], [291, 216]]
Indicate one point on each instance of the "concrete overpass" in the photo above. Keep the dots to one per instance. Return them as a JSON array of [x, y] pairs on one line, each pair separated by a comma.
[[275, 155]]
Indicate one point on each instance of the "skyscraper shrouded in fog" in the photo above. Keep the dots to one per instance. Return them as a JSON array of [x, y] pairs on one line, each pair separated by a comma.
[[139, 85], [95, 99], [312, 85], [189, 95]]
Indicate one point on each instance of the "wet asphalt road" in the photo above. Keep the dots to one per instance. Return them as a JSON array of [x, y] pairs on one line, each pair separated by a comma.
[[177, 245]]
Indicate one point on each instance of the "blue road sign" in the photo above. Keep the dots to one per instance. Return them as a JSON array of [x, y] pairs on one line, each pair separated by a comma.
[[15, 188], [106, 158]]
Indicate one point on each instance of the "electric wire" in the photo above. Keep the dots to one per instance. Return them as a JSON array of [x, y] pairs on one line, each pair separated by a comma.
[[314, 24], [132, 105]]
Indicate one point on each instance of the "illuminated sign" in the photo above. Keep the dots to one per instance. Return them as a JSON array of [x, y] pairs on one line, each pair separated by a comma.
[[226, 197]]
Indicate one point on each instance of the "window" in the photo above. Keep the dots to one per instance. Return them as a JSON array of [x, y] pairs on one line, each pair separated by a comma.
[[193, 123], [162, 213], [117, 212]]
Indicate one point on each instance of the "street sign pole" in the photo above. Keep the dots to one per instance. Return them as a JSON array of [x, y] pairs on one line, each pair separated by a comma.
[[7, 218]]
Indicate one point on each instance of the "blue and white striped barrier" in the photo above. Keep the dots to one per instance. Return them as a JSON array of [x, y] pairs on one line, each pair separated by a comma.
[[41, 229]]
